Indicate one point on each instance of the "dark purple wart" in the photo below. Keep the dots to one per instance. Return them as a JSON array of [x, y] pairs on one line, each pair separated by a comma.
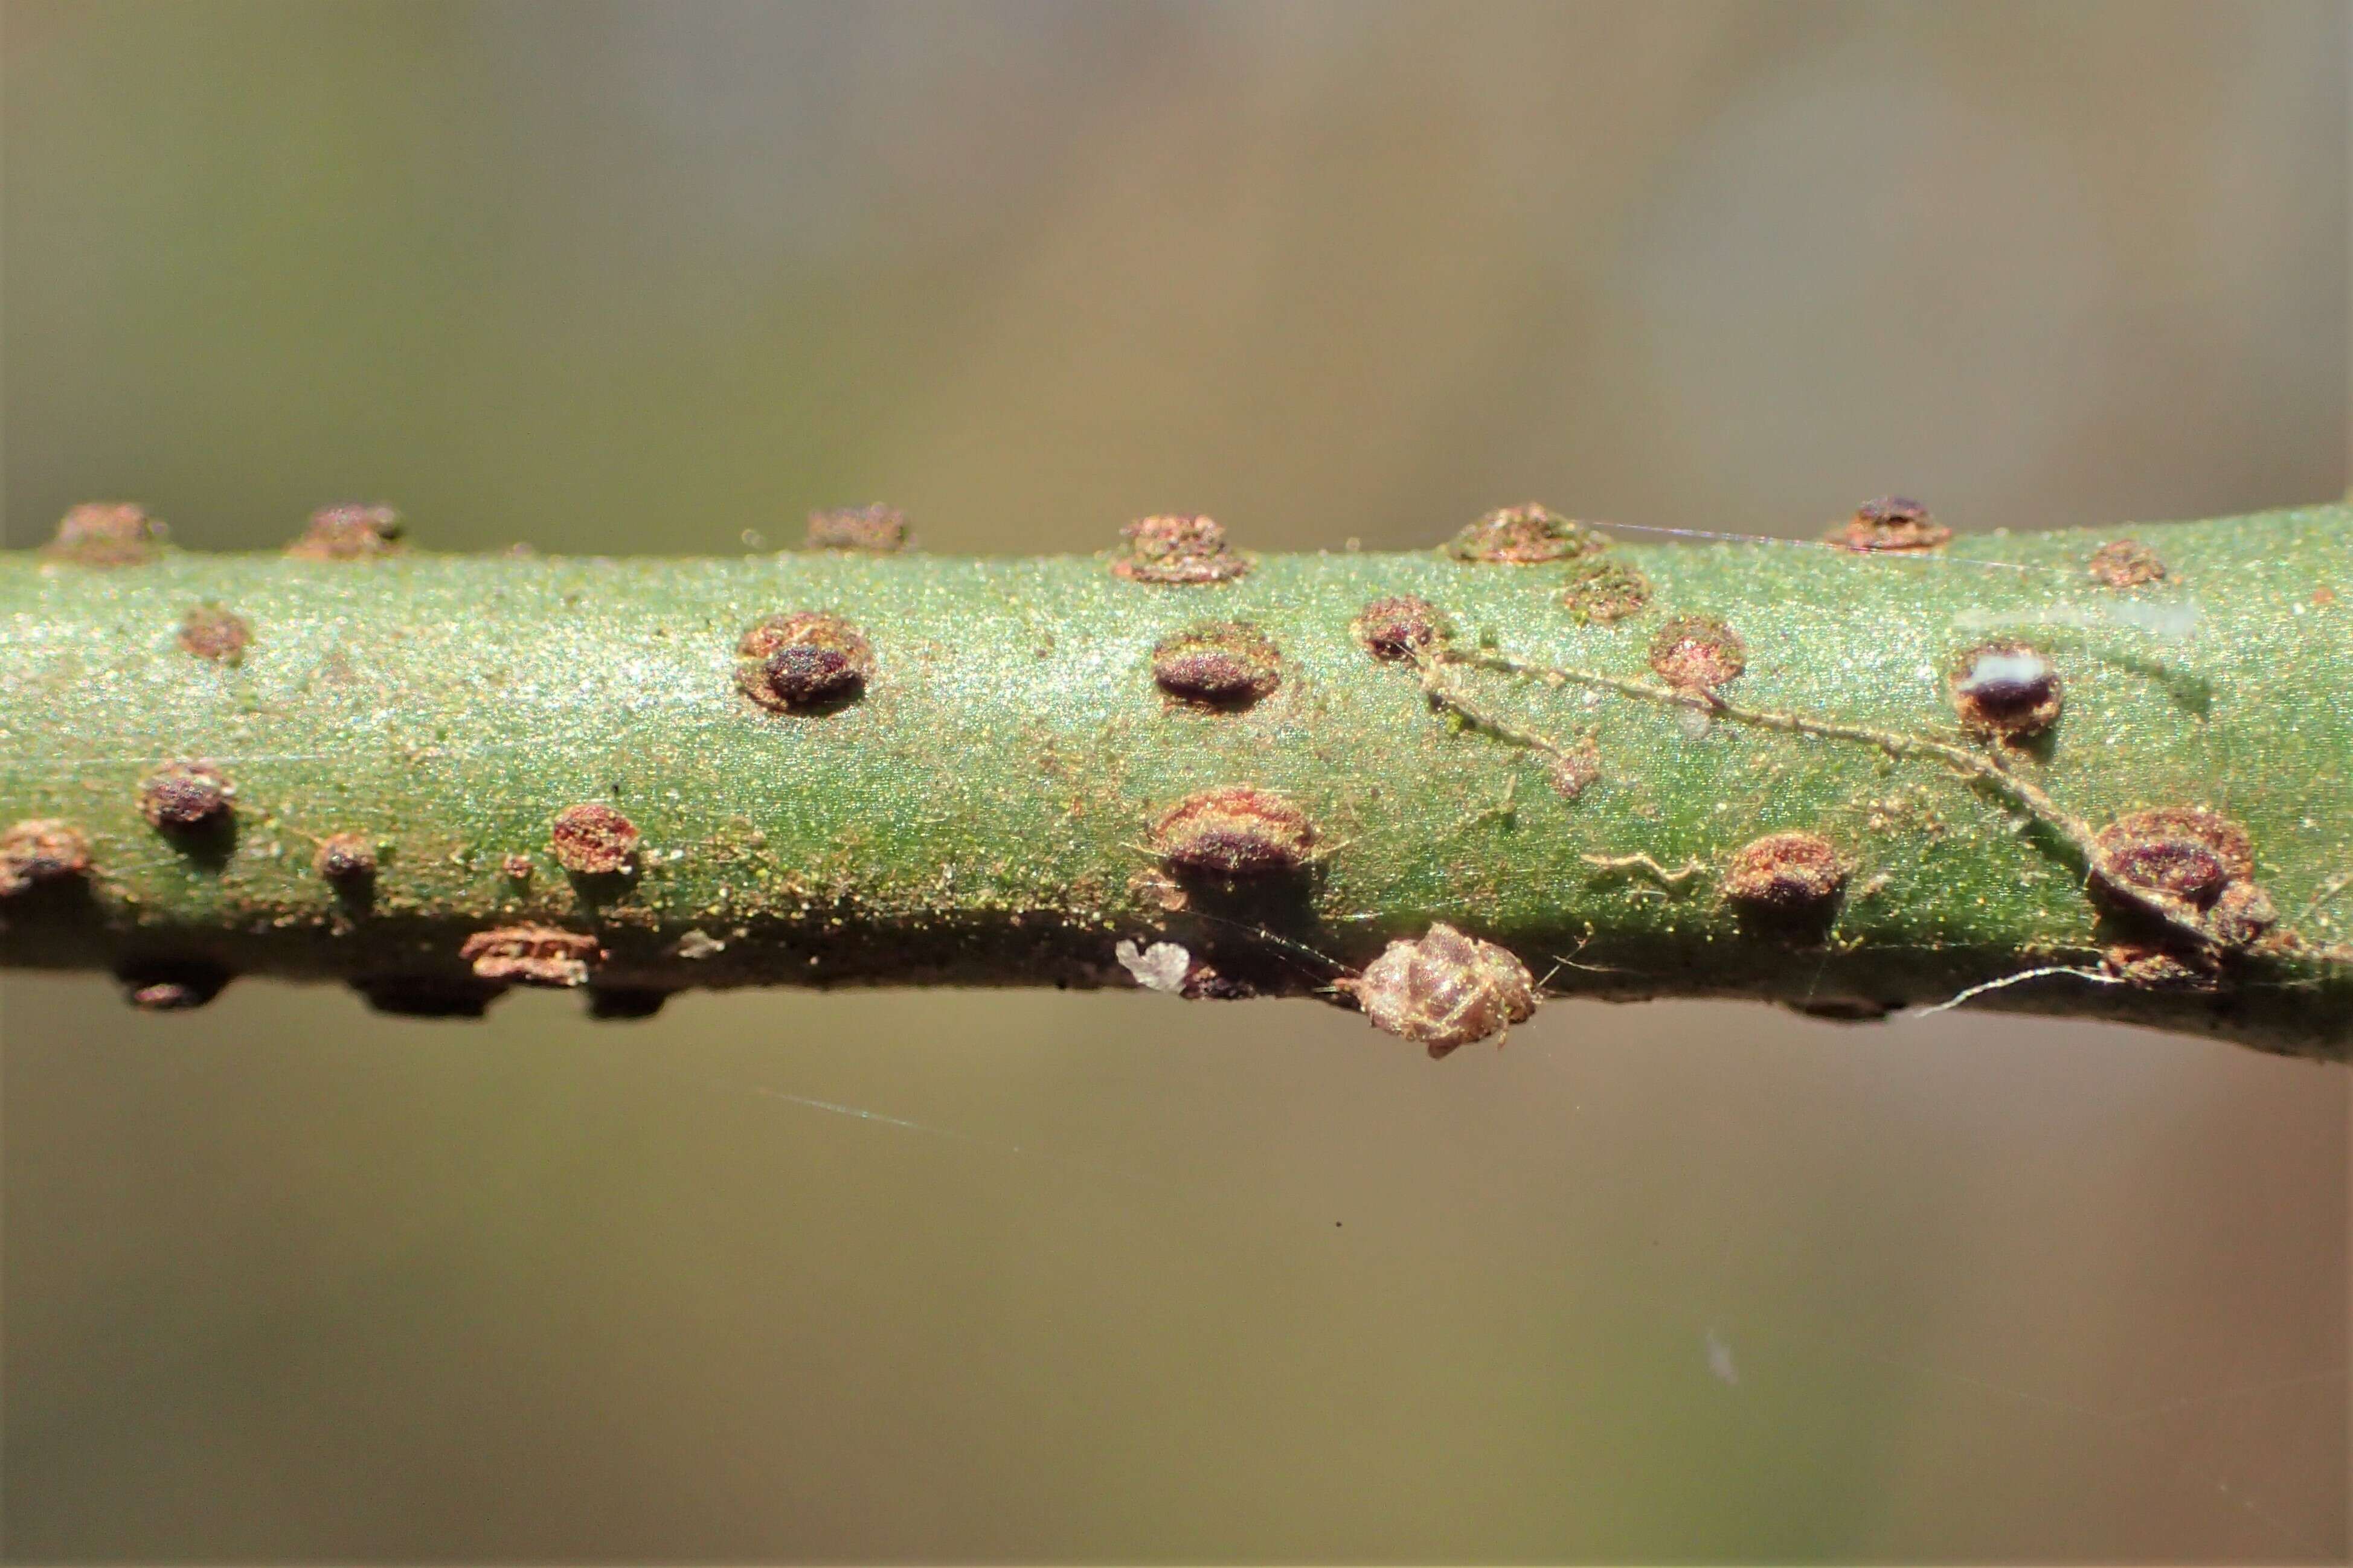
[[1238, 830], [805, 661]]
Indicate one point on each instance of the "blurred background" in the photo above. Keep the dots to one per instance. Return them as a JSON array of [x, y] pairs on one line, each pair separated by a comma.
[[946, 1276]]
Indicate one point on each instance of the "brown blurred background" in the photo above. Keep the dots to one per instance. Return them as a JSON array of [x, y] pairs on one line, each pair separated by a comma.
[[1033, 1276]]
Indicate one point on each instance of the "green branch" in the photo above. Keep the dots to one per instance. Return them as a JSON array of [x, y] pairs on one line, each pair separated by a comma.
[[2056, 772]]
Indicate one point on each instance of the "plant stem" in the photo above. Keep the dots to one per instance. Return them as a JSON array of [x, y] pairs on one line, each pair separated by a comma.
[[972, 788]]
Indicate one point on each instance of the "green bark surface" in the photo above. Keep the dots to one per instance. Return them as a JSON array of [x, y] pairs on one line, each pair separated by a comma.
[[984, 812]]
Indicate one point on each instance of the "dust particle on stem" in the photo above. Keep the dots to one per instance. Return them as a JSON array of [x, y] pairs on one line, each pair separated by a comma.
[[350, 532], [1890, 523], [1524, 536], [1228, 665], [1795, 876], [593, 840], [805, 661], [532, 955], [105, 533], [1400, 628], [2006, 688], [2126, 564], [1238, 830], [1698, 653], [1605, 591], [1445, 990], [209, 631], [41, 852], [875, 530], [1177, 549], [186, 797]]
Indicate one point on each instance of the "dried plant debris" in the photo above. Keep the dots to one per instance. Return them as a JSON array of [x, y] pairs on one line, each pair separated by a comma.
[[532, 955], [1445, 990]]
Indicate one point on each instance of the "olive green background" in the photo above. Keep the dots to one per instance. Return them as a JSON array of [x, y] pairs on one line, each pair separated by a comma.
[[956, 1276]]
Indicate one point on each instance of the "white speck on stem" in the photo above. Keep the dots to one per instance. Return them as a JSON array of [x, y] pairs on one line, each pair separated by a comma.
[[1160, 967]]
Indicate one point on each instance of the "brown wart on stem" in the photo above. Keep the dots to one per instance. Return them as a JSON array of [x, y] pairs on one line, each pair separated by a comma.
[[1445, 990], [1228, 665], [1794, 875], [1524, 536], [876, 529], [2008, 689], [807, 661], [2185, 852], [105, 533], [41, 852], [593, 840], [2126, 564], [515, 867], [209, 631], [1400, 628], [349, 531], [1177, 549], [1237, 831], [1698, 654], [1890, 523], [346, 862], [186, 797], [532, 955], [1605, 591]]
